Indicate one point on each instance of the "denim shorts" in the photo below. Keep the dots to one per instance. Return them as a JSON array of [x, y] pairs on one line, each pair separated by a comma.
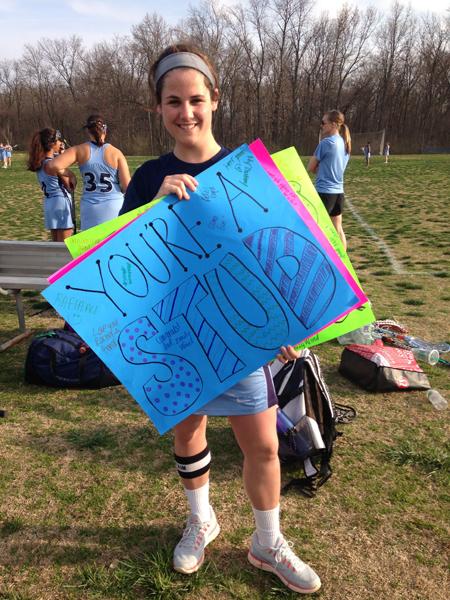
[[253, 394]]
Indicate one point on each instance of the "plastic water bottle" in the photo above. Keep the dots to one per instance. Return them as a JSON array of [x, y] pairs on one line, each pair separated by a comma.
[[415, 342], [284, 424], [437, 400], [429, 356], [363, 335]]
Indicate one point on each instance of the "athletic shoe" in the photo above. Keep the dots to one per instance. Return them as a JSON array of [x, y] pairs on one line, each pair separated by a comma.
[[189, 553], [281, 560]]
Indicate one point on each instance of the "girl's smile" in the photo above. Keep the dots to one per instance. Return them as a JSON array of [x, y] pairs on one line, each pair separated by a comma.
[[186, 109]]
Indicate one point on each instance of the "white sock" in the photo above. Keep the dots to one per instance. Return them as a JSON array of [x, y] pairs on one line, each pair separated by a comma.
[[199, 501], [267, 526]]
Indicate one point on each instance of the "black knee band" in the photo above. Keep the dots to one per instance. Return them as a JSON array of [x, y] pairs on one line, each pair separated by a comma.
[[193, 466]]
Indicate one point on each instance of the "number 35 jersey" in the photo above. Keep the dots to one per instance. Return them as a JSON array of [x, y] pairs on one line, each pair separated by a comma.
[[102, 197]]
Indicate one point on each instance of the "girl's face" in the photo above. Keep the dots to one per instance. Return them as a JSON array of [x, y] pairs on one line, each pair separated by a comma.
[[56, 147], [327, 127], [186, 108]]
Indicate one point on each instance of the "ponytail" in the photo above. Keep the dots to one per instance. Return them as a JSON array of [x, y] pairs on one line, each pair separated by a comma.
[[345, 133], [335, 116], [41, 142], [97, 128]]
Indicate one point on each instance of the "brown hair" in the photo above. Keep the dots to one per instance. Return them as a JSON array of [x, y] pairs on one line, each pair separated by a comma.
[[96, 125], [173, 49], [335, 116], [41, 142]]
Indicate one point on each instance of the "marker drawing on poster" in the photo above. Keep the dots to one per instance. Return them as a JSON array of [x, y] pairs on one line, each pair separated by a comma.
[[192, 296]]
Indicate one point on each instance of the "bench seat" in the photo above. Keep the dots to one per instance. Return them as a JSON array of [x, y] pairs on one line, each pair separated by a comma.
[[23, 283], [25, 265]]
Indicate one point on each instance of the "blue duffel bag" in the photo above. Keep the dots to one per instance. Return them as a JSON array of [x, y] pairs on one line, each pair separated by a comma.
[[60, 358]]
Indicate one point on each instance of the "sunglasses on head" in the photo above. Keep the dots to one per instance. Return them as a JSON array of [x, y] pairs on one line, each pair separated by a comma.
[[102, 125]]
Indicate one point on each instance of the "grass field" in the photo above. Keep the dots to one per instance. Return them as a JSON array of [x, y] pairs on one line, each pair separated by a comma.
[[90, 505]]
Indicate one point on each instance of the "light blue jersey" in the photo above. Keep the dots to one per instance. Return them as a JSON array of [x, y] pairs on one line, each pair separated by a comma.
[[102, 197], [2, 153], [57, 202], [332, 163]]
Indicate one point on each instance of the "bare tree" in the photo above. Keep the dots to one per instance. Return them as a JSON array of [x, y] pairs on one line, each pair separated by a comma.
[[13, 87], [434, 102], [249, 27], [41, 83], [64, 56], [149, 38], [394, 39], [279, 69]]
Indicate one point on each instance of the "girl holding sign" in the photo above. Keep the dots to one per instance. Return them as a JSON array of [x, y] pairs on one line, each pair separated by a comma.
[[187, 95], [57, 202], [104, 170]]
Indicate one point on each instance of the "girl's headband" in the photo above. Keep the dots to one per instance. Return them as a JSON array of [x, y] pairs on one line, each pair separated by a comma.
[[183, 59]]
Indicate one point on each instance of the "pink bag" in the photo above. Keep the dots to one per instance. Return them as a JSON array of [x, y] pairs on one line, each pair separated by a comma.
[[380, 368]]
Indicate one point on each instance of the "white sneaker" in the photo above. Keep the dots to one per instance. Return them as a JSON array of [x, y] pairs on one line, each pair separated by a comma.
[[281, 560], [189, 553]]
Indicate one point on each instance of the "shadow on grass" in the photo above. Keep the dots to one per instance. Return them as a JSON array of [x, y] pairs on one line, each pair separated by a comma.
[[136, 562], [117, 446]]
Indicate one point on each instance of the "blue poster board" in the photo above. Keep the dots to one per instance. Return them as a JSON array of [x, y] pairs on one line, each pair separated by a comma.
[[194, 295]]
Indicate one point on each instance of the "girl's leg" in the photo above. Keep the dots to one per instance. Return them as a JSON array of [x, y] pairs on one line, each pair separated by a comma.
[[337, 222], [258, 440], [193, 460], [190, 440], [59, 235]]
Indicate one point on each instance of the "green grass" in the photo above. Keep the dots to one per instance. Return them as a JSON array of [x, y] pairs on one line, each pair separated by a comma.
[[430, 459], [91, 506]]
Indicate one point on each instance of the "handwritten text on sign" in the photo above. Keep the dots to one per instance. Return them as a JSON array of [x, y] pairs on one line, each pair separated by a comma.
[[193, 296]]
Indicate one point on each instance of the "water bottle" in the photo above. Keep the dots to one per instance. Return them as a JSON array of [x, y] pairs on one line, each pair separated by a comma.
[[437, 400], [415, 342], [284, 424], [363, 335], [429, 356]]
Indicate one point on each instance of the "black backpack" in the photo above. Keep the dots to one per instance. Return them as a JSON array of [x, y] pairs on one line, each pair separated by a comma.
[[306, 421], [60, 358]]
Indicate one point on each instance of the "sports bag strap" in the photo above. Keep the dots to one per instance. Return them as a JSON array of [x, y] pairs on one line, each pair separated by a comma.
[[306, 486], [344, 413], [309, 468]]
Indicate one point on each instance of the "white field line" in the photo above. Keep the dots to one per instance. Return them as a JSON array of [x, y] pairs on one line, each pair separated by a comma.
[[396, 265]]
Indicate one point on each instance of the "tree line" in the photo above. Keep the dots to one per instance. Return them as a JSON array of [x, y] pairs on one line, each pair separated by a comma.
[[280, 67]]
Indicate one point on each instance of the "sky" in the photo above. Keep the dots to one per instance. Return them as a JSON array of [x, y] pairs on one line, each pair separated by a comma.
[[26, 21]]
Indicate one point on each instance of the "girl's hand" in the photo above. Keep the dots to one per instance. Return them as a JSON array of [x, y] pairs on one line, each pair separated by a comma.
[[72, 181], [178, 185], [69, 180], [288, 353]]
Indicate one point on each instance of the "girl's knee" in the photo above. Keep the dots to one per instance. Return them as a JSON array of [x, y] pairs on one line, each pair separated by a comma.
[[266, 451], [190, 431]]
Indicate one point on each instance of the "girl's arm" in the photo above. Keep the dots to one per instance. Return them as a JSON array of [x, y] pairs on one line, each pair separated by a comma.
[[59, 165], [313, 165], [124, 172]]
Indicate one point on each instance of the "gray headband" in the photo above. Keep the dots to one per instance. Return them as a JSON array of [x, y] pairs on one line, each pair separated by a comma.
[[183, 59]]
